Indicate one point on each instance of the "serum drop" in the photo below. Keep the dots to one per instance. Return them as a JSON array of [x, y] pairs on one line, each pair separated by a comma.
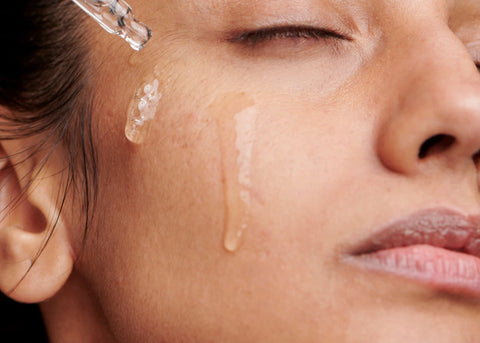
[[142, 111]]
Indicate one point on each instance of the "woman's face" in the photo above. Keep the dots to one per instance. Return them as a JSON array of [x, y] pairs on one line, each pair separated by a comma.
[[296, 147]]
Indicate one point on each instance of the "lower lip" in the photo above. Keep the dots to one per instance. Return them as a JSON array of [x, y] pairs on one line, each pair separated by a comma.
[[440, 269]]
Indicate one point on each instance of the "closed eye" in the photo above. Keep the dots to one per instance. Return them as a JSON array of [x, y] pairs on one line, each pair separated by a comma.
[[296, 33]]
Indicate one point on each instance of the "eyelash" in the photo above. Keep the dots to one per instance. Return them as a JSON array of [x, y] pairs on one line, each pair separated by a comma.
[[253, 38]]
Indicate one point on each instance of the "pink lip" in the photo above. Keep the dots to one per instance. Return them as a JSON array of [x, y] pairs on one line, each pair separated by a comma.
[[438, 248]]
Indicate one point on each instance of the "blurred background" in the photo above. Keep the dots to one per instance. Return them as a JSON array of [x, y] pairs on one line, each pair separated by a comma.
[[20, 323]]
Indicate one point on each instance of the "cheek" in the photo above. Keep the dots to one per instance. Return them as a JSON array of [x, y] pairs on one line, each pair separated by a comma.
[[260, 167], [280, 160], [303, 160], [160, 220], [287, 170]]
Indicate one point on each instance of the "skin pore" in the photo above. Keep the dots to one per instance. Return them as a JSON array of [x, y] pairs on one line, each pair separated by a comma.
[[345, 94]]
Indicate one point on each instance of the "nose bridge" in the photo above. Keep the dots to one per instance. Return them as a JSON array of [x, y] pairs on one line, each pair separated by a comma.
[[437, 94], [438, 70]]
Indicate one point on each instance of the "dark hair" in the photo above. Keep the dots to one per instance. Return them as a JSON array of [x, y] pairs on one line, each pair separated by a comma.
[[45, 84], [45, 87]]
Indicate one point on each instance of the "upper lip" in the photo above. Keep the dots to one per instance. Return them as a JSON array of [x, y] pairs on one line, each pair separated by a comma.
[[440, 228]]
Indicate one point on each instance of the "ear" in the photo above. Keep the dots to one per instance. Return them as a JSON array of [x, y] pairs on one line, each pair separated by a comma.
[[35, 260]]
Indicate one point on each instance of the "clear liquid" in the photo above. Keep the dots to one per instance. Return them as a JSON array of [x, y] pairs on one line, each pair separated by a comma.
[[142, 111], [236, 122]]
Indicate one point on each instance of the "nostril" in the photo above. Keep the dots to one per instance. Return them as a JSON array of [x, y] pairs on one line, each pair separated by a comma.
[[476, 158], [435, 144]]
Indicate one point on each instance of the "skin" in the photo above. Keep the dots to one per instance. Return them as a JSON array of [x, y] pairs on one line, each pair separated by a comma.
[[338, 130]]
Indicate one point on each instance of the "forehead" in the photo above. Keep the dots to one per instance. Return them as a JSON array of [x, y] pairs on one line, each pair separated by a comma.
[[229, 5], [457, 11]]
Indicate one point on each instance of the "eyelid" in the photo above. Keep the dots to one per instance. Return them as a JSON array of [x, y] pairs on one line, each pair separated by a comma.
[[256, 36]]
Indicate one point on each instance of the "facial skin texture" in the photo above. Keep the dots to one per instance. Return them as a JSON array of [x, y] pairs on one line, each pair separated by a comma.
[[338, 131]]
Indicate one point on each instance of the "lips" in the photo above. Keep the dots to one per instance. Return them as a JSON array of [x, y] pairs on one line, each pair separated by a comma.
[[437, 248]]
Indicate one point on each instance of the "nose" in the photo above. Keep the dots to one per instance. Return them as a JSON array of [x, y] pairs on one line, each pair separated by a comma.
[[433, 116]]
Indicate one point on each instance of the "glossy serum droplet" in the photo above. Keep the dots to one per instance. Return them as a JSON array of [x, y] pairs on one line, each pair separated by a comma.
[[142, 111]]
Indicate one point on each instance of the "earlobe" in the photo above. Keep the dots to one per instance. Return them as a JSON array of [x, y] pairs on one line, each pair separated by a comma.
[[37, 270], [36, 257]]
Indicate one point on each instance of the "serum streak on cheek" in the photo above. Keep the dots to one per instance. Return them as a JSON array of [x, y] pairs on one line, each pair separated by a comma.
[[236, 119]]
